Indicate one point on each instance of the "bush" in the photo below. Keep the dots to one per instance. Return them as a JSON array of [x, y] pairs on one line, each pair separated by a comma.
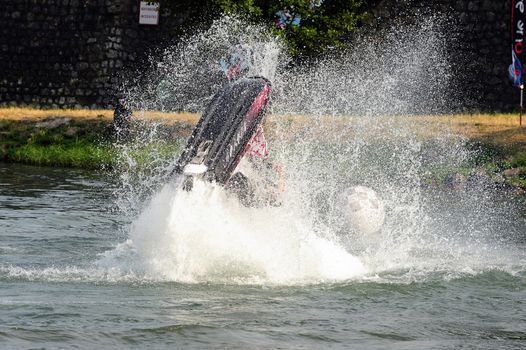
[[323, 24]]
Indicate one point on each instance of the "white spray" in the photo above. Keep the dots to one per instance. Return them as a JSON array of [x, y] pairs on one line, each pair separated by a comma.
[[349, 133]]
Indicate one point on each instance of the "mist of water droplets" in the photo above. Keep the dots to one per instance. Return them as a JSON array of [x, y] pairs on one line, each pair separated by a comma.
[[355, 118]]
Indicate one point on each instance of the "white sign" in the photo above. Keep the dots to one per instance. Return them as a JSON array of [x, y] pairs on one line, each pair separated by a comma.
[[149, 12]]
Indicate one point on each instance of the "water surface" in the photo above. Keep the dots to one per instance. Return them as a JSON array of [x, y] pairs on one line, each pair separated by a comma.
[[65, 283]]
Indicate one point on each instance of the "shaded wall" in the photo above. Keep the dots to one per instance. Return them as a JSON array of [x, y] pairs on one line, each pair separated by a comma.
[[479, 46], [59, 53], [72, 53]]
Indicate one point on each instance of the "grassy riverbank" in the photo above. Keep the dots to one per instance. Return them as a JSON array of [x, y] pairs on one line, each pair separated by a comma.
[[56, 141], [498, 142], [83, 138]]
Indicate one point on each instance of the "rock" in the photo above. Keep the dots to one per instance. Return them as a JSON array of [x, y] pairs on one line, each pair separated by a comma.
[[72, 131], [53, 123], [499, 179], [511, 172], [479, 177]]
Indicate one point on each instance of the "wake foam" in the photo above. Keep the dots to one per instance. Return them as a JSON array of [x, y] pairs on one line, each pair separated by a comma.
[[207, 235]]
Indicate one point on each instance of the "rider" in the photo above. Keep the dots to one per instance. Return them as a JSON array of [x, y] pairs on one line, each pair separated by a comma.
[[257, 180]]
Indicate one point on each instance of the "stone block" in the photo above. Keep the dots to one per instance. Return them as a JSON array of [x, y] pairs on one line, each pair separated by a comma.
[[490, 16], [132, 33], [112, 54], [473, 6]]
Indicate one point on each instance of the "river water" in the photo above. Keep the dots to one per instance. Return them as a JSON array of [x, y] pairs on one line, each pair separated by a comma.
[[75, 273]]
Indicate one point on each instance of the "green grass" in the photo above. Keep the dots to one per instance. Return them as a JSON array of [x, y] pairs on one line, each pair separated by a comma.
[[81, 156], [518, 160], [82, 139], [77, 143]]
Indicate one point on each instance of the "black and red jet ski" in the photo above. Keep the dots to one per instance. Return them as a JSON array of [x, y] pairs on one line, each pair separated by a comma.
[[219, 139]]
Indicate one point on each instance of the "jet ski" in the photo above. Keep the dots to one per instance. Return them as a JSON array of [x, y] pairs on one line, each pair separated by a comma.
[[220, 138]]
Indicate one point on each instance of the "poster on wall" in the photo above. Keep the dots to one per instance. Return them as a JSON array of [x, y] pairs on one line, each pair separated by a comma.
[[149, 12]]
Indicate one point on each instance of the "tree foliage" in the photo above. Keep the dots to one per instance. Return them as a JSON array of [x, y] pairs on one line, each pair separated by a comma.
[[322, 24]]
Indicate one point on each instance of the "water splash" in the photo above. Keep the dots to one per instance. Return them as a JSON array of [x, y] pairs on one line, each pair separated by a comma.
[[140, 167], [207, 235], [338, 123], [187, 75]]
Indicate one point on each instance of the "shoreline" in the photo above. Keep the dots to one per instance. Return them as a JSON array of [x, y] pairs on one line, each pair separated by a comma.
[[83, 139]]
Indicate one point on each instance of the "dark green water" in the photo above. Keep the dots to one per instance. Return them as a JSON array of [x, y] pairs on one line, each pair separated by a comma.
[[58, 290]]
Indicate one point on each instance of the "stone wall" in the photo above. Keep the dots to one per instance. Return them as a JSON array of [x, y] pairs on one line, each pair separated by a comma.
[[72, 53], [59, 53], [479, 46]]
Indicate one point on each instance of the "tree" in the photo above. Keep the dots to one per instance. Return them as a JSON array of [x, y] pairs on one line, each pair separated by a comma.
[[309, 27]]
